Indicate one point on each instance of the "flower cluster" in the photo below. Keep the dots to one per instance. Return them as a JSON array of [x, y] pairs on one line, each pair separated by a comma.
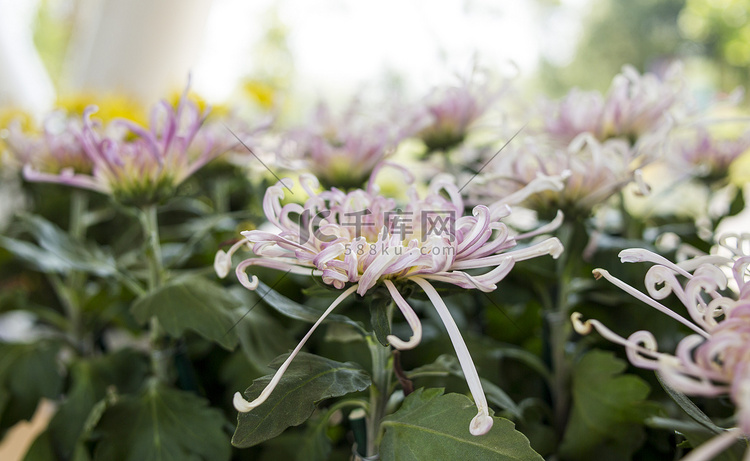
[[597, 144], [713, 361], [358, 240], [134, 164], [635, 105], [585, 173]]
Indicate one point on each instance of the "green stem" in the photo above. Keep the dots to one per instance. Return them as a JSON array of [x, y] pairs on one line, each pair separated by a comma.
[[160, 353], [150, 224], [558, 322], [66, 294], [560, 329], [221, 196], [68, 289], [379, 391], [79, 203]]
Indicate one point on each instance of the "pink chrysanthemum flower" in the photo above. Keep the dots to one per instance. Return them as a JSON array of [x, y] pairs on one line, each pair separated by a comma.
[[341, 151], [56, 150], [634, 106], [715, 360], [134, 164], [706, 154], [574, 179], [447, 113], [359, 240]]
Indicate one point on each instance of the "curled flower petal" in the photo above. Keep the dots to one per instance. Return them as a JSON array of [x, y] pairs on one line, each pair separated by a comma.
[[482, 423], [638, 295], [411, 319], [223, 260], [711, 363], [243, 405]]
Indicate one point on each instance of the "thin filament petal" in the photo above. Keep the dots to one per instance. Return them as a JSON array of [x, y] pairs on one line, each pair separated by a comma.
[[243, 405], [482, 422]]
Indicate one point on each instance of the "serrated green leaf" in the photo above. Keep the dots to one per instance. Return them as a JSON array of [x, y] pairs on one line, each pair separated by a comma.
[[430, 425], [162, 424], [298, 311], [608, 410], [308, 380], [191, 303], [28, 372]]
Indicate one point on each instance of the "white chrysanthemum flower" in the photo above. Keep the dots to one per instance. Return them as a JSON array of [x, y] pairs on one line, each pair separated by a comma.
[[359, 240]]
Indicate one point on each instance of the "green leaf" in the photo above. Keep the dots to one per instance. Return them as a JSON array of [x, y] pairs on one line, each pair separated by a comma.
[[430, 425], [298, 311], [162, 424], [57, 251], [41, 449], [315, 444], [122, 371], [608, 410], [737, 204], [308, 380], [191, 303], [28, 372], [379, 321]]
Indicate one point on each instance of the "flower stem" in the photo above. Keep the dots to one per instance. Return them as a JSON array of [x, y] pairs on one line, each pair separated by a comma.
[[160, 354], [150, 224], [69, 287], [558, 324], [379, 391], [79, 202]]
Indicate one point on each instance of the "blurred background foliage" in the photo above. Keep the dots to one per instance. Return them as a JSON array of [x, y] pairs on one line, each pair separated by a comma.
[[712, 36]]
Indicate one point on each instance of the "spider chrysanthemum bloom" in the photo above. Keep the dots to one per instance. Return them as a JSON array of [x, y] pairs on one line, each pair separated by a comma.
[[56, 149], [715, 360], [574, 179], [340, 150], [635, 105], [134, 164], [707, 154], [445, 116], [361, 240]]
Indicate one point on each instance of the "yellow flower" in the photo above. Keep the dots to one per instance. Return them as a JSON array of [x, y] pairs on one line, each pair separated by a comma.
[[111, 106]]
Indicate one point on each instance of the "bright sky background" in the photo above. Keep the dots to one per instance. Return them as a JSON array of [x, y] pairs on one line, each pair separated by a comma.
[[339, 44], [336, 46]]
